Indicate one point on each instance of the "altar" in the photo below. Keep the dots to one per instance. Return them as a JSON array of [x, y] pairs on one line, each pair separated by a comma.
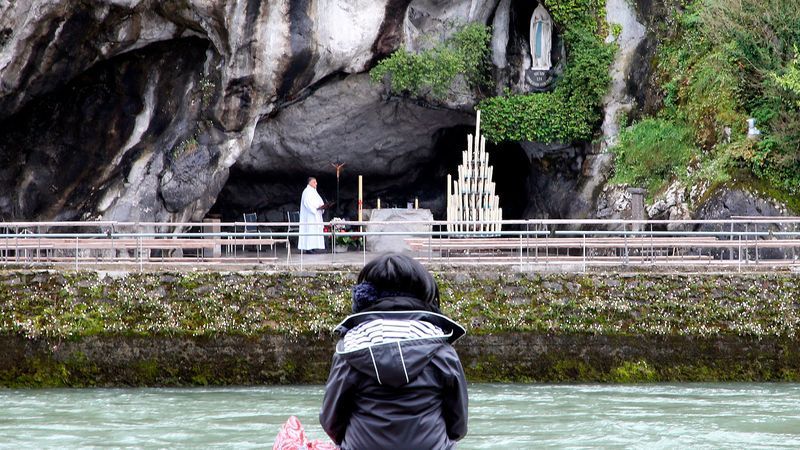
[[400, 221]]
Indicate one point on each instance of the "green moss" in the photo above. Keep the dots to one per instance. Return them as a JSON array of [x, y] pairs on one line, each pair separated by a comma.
[[746, 181], [80, 308], [147, 372], [633, 372], [565, 370], [42, 371]]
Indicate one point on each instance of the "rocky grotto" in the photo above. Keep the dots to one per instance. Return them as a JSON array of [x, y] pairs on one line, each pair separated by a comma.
[[145, 110]]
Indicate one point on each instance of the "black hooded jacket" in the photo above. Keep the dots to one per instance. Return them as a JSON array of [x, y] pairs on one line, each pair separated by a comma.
[[408, 394]]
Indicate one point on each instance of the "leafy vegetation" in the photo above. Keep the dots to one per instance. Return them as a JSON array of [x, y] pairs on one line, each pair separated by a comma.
[[726, 61], [569, 113], [572, 111], [436, 71], [652, 152]]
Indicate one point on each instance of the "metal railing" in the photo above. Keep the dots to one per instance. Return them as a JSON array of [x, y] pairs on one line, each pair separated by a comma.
[[532, 244]]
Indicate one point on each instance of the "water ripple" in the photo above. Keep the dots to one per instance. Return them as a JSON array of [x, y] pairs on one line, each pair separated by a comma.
[[657, 416]]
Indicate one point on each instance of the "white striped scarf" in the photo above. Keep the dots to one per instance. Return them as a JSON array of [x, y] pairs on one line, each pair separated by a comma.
[[380, 331]]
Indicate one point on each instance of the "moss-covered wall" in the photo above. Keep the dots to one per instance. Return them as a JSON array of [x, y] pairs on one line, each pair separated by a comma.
[[85, 328]]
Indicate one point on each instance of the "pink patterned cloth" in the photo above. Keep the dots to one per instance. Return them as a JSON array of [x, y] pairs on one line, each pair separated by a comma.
[[292, 436]]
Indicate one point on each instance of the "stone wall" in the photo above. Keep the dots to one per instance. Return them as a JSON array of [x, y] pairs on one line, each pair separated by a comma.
[[111, 329]]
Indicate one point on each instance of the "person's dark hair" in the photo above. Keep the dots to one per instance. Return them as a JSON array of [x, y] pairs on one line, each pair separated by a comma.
[[396, 272]]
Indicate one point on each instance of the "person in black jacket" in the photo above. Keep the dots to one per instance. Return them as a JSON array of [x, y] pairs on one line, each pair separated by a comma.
[[396, 382]]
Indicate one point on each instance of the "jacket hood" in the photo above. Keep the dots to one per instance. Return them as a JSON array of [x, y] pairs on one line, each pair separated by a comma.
[[452, 329], [398, 362]]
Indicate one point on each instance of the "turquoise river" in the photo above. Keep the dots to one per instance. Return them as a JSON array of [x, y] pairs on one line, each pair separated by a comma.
[[713, 416]]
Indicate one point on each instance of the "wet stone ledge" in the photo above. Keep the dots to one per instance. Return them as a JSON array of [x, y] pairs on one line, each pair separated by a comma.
[[211, 328]]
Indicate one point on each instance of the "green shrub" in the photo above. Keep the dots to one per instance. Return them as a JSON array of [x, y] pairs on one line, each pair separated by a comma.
[[759, 38], [790, 79], [569, 113], [777, 157], [650, 153], [711, 99], [757, 34], [576, 14], [435, 71], [729, 60]]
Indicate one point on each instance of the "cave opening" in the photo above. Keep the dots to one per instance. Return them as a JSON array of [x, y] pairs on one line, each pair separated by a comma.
[[271, 195], [511, 169], [521, 13]]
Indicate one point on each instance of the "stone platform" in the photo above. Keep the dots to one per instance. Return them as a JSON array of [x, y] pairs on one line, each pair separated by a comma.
[[402, 220]]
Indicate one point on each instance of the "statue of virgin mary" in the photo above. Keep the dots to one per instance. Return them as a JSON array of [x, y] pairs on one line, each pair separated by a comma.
[[541, 38]]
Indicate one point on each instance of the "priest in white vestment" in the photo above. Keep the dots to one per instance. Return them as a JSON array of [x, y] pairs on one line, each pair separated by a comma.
[[311, 203]]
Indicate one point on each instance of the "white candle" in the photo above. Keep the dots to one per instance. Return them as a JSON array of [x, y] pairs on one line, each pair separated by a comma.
[[360, 198], [449, 216]]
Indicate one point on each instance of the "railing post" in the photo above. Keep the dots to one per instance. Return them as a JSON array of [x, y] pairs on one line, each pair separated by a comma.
[[16, 244], [364, 240], [584, 252], [430, 242], [139, 241], [739, 266], [755, 235], [730, 248], [625, 239], [547, 247], [746, 246], [333, 244]]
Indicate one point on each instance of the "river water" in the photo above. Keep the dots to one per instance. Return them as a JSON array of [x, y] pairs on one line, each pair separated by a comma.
[[752, 415]]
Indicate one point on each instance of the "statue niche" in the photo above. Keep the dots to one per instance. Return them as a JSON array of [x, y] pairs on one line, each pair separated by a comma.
[[540, 77]]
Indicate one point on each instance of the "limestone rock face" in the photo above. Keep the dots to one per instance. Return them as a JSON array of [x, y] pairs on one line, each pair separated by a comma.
[[104, 138], [161, 110], [565, 180], [135, 110], [725, 203], [389, 143], [672, 205], [348, 122], [435, 18], [618, 101]]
